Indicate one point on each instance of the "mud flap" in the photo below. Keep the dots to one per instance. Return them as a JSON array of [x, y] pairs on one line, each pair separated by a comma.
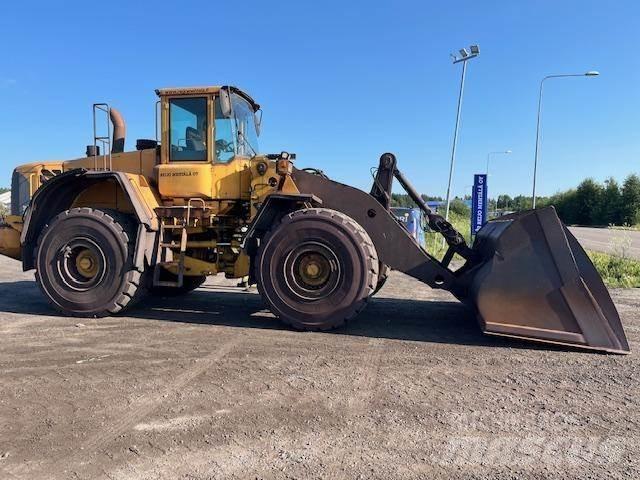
[[534, 281]]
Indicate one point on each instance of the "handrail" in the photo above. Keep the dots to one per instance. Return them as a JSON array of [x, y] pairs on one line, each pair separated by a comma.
[[104, 141]]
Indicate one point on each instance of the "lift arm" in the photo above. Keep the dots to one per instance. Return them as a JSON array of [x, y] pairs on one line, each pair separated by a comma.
[[381, 191]]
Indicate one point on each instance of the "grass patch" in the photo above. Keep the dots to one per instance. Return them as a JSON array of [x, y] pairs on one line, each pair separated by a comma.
[[433, 241], [616, 271], [631, 228]]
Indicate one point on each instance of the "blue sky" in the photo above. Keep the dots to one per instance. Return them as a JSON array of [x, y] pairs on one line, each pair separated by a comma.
[[341, 82]]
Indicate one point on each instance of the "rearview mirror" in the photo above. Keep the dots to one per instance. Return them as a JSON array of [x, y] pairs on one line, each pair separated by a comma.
[[257, 118], [225, 102]]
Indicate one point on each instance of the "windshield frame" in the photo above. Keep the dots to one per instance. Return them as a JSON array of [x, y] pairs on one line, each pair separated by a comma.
[[234, 123], [242, 136]]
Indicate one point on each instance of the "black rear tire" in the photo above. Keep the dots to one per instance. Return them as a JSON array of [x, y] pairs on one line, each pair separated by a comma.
[[316, 269], [84, 262], [189, 283]]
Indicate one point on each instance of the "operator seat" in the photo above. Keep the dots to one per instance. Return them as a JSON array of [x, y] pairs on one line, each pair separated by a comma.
[[194, 140]]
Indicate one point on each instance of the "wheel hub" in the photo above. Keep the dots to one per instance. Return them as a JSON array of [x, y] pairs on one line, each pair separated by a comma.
[[312, 271], [81, 264], [87, 263]]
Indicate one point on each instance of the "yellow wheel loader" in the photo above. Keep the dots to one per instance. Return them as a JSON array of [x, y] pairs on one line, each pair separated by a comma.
[[104, 230]]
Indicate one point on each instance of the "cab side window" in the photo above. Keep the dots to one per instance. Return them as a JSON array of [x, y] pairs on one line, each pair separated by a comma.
[[188, 129]]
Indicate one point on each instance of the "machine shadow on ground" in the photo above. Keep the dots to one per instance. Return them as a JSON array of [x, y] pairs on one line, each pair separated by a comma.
[[448, 322]]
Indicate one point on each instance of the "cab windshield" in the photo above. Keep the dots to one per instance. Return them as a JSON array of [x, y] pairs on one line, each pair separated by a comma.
[[236, 135]]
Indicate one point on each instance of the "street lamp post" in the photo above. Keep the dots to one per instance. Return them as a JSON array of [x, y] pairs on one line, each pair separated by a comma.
[[506, 152], [591, 73], [464, 57]]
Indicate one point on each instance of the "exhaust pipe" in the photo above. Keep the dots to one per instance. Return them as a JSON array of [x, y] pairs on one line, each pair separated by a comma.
[[119, 131]]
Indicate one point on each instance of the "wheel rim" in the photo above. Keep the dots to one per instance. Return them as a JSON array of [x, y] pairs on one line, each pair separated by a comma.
[[81, 264], [312, 271]]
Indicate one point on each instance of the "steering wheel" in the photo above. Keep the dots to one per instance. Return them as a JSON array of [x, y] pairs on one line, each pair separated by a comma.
[[222, 146]]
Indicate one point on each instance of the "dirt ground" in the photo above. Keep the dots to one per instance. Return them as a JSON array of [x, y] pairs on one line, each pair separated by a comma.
[[210, 385]]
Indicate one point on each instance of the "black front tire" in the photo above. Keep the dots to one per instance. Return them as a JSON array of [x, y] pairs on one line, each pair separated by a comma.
[[316, 269], [84, 262], [383, 275]]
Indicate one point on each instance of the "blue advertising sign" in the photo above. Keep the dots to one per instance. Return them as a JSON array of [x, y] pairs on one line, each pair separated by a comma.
[[479, 201]]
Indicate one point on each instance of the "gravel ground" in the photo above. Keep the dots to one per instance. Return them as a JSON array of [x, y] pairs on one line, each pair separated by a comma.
[[210, 385]]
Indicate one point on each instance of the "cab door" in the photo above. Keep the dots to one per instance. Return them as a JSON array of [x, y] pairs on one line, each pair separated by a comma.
[[231, 163], [186, 159]]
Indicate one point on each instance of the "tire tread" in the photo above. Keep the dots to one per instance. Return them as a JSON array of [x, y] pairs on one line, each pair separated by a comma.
[[360, 234], [125, 227]]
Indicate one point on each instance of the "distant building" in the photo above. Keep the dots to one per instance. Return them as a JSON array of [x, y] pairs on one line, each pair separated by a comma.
[[435, 205], [5, 199]]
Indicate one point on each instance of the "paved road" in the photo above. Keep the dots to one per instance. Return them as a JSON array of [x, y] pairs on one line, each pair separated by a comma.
[[608, 240]]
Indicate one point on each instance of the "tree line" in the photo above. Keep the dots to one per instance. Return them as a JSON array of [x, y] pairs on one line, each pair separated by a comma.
[[457, 204], [590, 203]]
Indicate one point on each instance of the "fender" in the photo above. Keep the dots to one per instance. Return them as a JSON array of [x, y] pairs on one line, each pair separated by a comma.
[[274, 207], [59, 193]]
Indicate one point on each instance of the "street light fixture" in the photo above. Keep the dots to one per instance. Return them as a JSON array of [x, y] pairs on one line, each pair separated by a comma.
[[506, 152], [464, 57], [590, 73]]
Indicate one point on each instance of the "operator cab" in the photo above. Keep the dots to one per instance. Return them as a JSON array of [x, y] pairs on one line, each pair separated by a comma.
[[209, 137], [193, 119]]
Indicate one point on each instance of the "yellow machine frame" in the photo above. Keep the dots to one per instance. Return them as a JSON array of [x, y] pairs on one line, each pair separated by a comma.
[[159, 182]]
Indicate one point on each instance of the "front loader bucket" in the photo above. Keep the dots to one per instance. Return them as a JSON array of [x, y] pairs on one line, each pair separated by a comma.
[[534, 281]]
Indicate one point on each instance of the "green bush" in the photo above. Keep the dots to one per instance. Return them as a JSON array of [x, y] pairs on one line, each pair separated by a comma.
[[616, 271], [433, 241], [458, 207]]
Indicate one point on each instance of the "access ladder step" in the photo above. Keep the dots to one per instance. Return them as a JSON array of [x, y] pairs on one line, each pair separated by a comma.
[[173, 263], [172, 227]]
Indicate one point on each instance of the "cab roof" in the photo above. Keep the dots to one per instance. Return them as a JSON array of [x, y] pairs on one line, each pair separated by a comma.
[[177, 91]]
